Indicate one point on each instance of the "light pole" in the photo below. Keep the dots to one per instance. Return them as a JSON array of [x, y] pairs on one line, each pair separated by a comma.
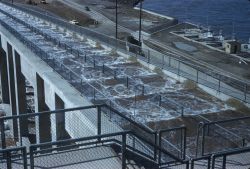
[[140, 23], [116, 19]]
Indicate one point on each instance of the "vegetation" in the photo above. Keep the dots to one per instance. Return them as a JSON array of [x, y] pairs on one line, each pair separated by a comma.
[[189, 84], [98, 45], [113, 53], [132, 59], [238, 105], [158, 71]]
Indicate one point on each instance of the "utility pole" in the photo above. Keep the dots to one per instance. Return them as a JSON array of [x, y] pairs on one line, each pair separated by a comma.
[[140, 23], [116, 19]]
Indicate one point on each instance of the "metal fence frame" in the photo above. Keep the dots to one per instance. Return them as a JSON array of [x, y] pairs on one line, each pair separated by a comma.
[[6, 154], [204, 128]]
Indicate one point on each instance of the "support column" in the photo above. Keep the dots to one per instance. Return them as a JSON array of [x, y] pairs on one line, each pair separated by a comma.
[[59, 121], [4, 77], [12, 94], [43, 124], [20, 95]]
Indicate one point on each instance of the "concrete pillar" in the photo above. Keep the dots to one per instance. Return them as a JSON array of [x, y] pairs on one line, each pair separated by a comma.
[[20, 95], [4, 77], [60, 132], [43, 124], [12, 94]]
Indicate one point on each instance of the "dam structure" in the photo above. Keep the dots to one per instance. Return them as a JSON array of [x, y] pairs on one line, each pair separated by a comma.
[[74, 98]]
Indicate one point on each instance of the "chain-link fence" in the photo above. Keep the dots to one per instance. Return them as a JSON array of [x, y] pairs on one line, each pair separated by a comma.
[[208, 77], [229, 134], [174, 141]]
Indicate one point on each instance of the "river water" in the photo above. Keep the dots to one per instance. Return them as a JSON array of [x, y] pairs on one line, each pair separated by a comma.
[[230, 16]]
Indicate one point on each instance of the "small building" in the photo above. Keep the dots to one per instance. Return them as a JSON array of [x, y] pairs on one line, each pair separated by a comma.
[[232, 47], [245, 47]]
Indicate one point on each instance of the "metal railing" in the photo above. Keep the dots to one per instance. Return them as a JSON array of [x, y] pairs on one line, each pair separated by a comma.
[[12, 157], [225, 133], [174, 141], [210, 78], [236, 158], [137, 139], [45, 149], [230, 159]]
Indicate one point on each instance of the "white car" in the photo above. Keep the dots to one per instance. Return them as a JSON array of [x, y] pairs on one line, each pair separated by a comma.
[[74, 22], [43, 2]]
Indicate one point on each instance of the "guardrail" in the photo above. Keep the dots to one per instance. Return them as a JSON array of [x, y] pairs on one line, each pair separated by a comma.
[[11, 156], [139, 139], [225, 133], [210, 78], [236, 158]]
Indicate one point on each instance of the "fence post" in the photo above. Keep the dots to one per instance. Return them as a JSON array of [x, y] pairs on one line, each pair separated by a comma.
[[99, 129], [162, 61], [224, 160], [127, 82], [219, 83], [2, 134], [184, 142], [148, 56], [187, 165], [245, 92], [159, 155], [192, 164], [203, 139], [124, 151], [103, 68], [8, 156], [31, 158], [155, 147], [179, 68], [25, 158], [213, 162], [197, 76], [209, 162]]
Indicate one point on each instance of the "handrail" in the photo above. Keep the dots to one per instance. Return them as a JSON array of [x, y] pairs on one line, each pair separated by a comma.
[[228, 120], [48, 112], [98, 137], [149, 130]]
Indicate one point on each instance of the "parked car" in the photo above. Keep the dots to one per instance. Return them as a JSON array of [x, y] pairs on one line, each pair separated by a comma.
[[74, 22], [43, 2]]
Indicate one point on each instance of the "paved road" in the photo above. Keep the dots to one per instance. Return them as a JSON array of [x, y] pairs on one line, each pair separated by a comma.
[[105, 26]]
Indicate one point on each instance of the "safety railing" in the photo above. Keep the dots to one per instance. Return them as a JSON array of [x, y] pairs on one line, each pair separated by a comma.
[[238, 158], [44, 154], [208, 77], [229, 134], [13, 158], [65, 123], [174, 141], [64, 126]]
